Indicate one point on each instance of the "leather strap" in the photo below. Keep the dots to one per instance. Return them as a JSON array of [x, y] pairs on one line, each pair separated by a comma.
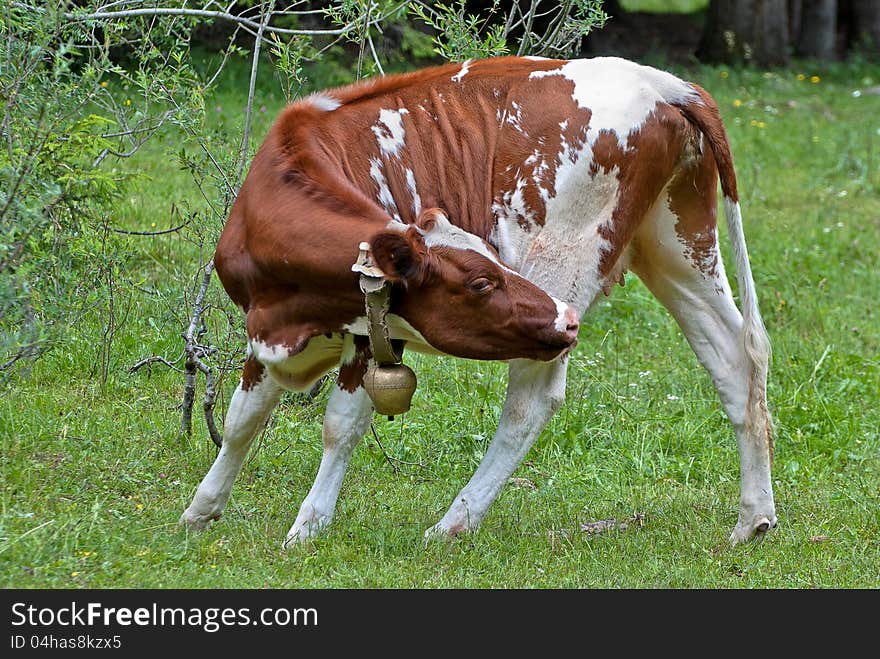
[[377, 296]]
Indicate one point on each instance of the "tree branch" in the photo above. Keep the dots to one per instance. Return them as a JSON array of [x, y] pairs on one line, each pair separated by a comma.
[[198, 13], [258, 40], [151, 233], [193, 364]]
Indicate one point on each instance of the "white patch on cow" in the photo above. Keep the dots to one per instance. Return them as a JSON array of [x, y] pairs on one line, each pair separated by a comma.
[[513, 117], [324, 101], [516, 201], [268, 354], [300, 371], [446, 234], [563, 258], [561, 323], [398, 328], [414, 193], [389, 131], [247, 413], [663, 234], [512, 206], [535, 390], [659, 231], [620, 94], [536, 58], [348, 350], [462, 72], [385, 197], [346, 420], [509, 237]]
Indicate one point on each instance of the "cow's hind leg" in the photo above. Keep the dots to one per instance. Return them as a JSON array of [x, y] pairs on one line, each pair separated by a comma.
[[686, 274], [251, 404], [346, 420]]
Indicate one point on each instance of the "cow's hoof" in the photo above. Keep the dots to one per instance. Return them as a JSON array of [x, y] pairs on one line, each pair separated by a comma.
[[743, 532], [303, 531], [442, 532], [295, 540], [197, 521]]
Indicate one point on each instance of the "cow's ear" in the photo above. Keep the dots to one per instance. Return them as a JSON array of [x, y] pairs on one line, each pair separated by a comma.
[[401, 256]]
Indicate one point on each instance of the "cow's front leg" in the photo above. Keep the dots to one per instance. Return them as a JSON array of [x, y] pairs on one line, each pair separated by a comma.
[[345, 423], [251, 405], [535, 390]]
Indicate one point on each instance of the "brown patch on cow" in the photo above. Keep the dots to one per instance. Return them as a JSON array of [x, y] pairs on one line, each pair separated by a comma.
[[252, 373], [289, 318], [351, 374], [607, 153], [644, 168], [535, 136], [707, 118], [692, 198]]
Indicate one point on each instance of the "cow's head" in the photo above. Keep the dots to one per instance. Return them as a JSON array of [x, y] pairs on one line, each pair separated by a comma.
[[452, 287]]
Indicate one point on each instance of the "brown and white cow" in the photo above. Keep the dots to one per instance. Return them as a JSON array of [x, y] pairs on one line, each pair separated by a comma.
[[555, 177]]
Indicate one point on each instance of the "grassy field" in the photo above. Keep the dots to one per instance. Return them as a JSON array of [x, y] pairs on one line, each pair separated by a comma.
[[95, 477]]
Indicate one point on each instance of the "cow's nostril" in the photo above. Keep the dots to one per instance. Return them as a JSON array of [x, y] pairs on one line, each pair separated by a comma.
[[572, 322]]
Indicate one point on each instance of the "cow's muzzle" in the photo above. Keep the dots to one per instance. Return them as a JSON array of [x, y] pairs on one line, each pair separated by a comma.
[[561, 337]]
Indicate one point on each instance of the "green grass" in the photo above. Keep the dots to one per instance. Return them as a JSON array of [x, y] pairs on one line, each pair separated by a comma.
[[664, 6], [94, 478]]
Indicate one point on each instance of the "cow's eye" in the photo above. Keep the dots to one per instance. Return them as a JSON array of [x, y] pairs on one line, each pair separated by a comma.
[[482, 285]]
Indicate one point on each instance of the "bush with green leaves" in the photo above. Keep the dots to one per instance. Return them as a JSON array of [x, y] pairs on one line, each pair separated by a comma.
[[71, 110]]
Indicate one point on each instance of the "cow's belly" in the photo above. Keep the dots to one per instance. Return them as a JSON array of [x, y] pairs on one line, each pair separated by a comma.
[[300, 371]]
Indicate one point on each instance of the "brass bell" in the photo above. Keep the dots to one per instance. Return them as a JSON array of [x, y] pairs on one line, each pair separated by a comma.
[[391, 387]]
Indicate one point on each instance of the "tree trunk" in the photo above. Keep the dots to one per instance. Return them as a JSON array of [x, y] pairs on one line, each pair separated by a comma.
[[794, 18], [818, 29], [865, 30], [752, 31]]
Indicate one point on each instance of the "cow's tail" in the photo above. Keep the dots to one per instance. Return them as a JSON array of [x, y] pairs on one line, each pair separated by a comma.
[[703, 113]]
